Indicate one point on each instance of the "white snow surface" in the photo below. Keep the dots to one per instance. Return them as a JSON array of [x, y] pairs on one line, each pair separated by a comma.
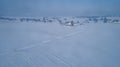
[[54, 45]]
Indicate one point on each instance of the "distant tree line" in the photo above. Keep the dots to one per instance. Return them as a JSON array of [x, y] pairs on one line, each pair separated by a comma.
[[64, 21], [104, 20], [8, 19]]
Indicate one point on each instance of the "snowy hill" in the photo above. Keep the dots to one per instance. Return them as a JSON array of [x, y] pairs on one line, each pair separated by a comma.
[[59, 42]]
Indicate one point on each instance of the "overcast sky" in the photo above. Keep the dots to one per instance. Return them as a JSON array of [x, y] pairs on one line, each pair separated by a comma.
[[59, 7]]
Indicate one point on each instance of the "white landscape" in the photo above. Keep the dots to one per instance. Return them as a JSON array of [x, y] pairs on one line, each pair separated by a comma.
[[60, 42]]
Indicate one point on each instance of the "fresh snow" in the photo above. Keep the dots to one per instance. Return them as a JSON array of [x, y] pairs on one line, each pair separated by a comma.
[[52, 44]]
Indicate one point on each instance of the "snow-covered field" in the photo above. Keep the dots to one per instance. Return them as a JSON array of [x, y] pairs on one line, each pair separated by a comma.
[[63, 42]]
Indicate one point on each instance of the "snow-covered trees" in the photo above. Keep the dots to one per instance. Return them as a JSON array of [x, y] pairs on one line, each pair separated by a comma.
[[67, 21]]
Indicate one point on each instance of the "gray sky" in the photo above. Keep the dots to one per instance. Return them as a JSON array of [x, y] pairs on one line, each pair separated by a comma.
[[59, 7]]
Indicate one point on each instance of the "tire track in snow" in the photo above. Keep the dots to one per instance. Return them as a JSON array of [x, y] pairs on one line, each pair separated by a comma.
[[51, 54], [57, 59], [60, 59], [32, 45], [24, 48], [46, 41], [30, 62]]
